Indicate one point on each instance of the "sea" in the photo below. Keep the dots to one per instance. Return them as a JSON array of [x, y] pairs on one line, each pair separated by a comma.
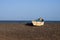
[[23, 22]]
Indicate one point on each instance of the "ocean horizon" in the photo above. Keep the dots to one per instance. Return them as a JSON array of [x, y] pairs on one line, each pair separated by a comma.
[[27, 21]]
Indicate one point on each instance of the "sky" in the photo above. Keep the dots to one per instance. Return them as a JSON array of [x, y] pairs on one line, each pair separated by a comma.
[[29, 9]]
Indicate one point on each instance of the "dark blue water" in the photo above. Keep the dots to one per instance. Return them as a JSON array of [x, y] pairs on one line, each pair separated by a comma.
[[52, 21], [27, 21], [15, 21]]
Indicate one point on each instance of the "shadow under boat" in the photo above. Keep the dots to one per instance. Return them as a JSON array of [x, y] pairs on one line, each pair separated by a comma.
[[29, 24]]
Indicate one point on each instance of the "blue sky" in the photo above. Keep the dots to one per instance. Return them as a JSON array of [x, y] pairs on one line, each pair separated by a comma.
[[29, 9]]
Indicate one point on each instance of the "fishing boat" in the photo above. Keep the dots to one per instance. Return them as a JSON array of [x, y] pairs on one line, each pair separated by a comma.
[[38, 22]]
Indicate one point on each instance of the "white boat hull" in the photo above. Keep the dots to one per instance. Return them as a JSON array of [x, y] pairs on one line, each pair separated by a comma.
[[37, 23]]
